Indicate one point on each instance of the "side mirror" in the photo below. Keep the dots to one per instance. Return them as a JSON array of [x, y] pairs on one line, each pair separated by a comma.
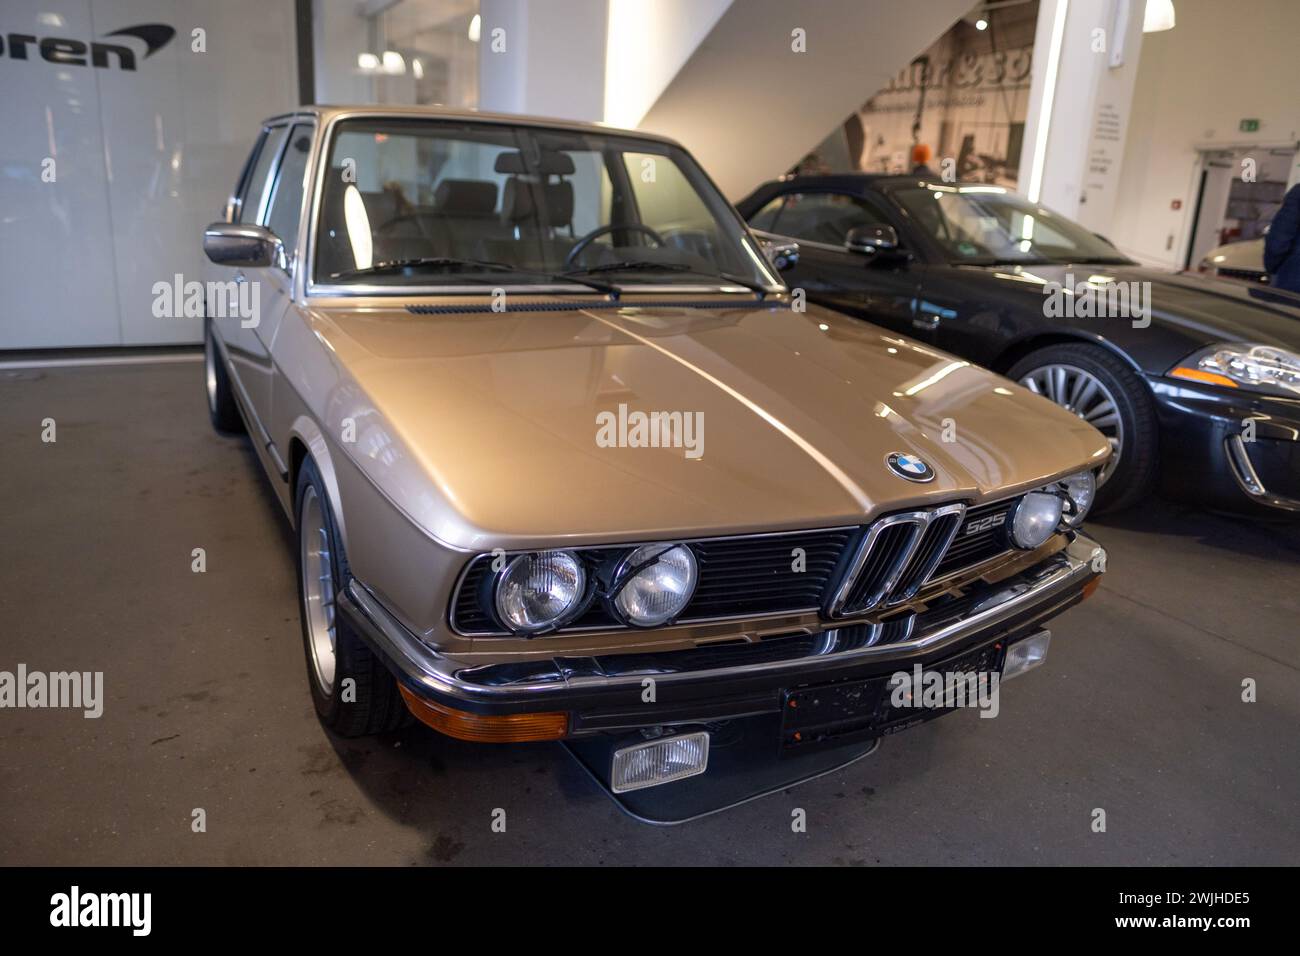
[[782, 255], [241, 244], [870, 239]]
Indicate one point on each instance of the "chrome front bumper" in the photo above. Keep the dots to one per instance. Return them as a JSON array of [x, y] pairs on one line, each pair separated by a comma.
[[719, 682]]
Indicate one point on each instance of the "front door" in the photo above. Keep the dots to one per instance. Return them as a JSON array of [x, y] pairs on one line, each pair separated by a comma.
[[880, 288]]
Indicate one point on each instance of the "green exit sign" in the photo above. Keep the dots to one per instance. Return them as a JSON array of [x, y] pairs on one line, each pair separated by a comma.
[[1249, 126]]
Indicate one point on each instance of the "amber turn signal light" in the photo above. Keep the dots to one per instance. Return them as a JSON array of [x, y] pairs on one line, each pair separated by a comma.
[[1090, 588], [500, 729], [1200, 375]]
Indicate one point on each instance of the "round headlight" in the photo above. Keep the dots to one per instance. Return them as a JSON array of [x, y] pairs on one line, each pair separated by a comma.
[[539, 591], [1079, 492], [1035, 519], [656, 583]]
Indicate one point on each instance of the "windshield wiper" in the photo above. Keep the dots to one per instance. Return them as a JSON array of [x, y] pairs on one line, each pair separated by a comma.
[[449, 263], [647, 265], [426, 263]]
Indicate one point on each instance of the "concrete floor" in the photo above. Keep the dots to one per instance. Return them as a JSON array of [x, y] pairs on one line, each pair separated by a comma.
[[1138, 710]]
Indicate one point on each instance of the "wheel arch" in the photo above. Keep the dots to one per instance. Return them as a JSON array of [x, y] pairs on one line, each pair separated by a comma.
[[1015, 351], [305, 439]]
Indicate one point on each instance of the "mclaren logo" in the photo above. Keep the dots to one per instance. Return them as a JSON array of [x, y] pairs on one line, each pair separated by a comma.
[[150, 37]]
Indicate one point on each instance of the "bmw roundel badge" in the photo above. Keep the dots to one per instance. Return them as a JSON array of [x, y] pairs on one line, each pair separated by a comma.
[[911, 467]]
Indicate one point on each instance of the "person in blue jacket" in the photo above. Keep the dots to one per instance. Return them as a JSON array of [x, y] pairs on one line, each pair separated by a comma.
[[1282, 244]]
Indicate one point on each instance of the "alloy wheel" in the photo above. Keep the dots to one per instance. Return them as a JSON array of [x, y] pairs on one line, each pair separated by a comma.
[[318, 589], [1083, 393]]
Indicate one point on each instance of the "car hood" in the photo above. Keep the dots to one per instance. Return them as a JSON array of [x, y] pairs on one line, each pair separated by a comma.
[[1199, 309], [486, 427], [1243, 254]]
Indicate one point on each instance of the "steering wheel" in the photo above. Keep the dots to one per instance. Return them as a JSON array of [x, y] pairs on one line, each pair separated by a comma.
[[596, 233]]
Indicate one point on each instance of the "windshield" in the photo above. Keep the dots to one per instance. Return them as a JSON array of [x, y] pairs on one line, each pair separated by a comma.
[[988, 225], [428, 202]]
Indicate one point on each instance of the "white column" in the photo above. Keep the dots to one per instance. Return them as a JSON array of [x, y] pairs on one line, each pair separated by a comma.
[[543, 59], [1085, 66]]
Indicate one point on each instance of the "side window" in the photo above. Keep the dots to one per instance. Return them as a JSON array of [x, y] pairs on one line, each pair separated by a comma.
[[766, 219], [826, 217], [286, 202], [255, 189], [245, 178]]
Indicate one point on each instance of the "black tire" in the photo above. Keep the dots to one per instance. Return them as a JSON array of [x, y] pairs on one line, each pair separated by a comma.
[[1135, 475], [217, 389], [378, 705]]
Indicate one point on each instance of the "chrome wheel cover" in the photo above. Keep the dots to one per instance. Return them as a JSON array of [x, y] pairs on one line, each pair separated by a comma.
[[210, 371], [1087, 396], [317, 589]]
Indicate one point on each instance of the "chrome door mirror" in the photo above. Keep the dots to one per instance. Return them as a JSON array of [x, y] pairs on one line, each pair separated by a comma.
[[872, 238], [782, 255], [241, 244]]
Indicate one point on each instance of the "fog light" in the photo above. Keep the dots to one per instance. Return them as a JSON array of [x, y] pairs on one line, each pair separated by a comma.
[[1026, 654], [659, 761]]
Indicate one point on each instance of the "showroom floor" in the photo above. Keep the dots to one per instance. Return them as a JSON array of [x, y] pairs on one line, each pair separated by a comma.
[[1138, 710]]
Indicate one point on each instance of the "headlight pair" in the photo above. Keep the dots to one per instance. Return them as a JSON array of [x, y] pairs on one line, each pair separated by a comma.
[[1263, 368], [1059, 506], [541, 591]]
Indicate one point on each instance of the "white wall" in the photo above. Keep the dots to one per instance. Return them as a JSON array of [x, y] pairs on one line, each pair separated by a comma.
[[1223, 62], [144, 159]]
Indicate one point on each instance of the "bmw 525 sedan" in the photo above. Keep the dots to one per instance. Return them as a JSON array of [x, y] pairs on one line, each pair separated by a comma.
[[566, 460]]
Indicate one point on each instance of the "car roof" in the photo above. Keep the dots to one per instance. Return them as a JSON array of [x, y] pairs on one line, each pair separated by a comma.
[[327, 113], [857, 181]]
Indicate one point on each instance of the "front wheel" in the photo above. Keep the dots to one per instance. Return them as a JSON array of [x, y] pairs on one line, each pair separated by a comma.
[[353, 691], [1106, 393]]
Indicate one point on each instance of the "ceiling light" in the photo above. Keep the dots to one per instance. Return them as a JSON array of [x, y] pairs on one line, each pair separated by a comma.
[[1159, 15]]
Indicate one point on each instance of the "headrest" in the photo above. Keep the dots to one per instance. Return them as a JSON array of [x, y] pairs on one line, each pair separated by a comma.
[[474, 197], [550, 163], [518, 203]]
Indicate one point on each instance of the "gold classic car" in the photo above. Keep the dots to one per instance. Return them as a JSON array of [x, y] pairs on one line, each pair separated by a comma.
[[567, 460]]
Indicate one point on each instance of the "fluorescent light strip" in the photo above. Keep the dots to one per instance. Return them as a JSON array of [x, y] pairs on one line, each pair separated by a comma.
[[1049, 94]]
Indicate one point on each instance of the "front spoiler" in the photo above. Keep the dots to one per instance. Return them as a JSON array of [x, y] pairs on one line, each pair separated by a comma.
[[717, 683]]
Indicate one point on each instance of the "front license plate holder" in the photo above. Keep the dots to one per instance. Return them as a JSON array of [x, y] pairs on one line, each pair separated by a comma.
[[824, 715]]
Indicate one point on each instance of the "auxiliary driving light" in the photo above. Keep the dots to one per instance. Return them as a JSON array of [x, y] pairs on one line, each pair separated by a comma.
[[1026, 654], [1035, 519], [659, 761]]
